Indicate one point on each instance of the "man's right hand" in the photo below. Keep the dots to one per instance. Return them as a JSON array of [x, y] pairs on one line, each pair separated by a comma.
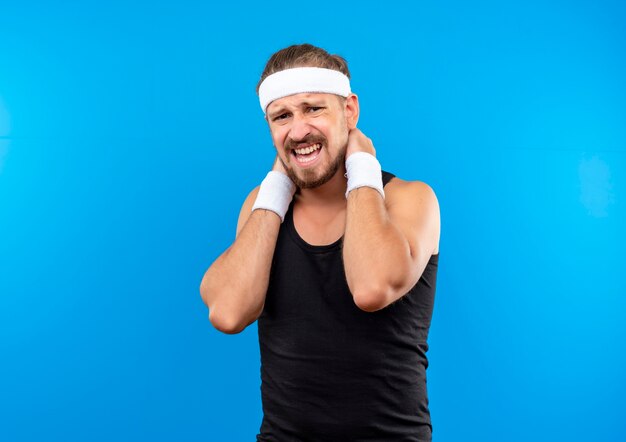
[[278, 165]]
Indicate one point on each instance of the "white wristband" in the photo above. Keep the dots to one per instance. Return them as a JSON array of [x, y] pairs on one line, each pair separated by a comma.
[[275, 194], [363, 170]]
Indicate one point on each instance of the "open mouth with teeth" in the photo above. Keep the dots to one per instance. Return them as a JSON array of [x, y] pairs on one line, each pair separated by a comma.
[[306, 155]]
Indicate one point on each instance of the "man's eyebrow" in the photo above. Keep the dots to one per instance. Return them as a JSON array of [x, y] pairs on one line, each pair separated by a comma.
[[273, 114], [312, 103]]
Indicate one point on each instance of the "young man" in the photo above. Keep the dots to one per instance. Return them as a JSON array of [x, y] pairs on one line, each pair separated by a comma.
[[337, 260]]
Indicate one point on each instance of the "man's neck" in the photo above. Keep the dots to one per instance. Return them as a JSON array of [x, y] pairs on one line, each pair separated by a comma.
[[331, 193]]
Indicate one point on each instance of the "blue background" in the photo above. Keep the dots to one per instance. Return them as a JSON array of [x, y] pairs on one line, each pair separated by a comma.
[[131, 134]]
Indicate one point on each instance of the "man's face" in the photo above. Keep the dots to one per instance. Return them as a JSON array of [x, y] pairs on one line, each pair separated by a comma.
[[310, 133]]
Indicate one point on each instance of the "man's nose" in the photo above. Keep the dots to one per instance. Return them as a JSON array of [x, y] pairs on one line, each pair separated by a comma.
[[299, 128]]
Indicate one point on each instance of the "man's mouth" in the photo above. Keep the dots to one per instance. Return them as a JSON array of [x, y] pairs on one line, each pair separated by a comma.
[[308, 154]]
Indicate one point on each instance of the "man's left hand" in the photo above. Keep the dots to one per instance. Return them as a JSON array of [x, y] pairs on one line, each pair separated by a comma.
[[358, 142]]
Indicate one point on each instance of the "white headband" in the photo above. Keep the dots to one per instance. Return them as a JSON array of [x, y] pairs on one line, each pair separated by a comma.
[[299, 80]]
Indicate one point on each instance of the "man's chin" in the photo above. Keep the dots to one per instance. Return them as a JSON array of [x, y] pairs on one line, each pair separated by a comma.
[[312, 180], [309, 181]]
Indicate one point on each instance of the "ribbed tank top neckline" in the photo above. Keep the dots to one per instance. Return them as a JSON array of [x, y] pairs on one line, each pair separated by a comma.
[[295, 236]]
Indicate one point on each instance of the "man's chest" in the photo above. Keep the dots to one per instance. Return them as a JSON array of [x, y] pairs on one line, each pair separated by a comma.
[[319, 229]]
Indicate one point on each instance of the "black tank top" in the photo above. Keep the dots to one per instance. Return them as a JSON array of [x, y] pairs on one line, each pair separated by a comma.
[[331, 371]]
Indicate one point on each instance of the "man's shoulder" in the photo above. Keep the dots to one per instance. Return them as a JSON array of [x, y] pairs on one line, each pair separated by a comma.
[[399, 190]]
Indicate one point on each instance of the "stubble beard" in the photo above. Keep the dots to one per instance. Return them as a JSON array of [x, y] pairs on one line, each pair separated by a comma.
[[309, 180]]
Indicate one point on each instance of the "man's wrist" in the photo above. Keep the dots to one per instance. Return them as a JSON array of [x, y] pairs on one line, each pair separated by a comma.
[[364, 170], [275, 194]]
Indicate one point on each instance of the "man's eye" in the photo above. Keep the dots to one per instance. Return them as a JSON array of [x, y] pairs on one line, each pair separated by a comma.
[[281, 117], [315, 108]]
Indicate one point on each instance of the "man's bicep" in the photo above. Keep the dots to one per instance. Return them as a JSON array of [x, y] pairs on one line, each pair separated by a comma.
[[246, 209]]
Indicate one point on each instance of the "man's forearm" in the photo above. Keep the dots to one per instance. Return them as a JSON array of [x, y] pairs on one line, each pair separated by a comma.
[[377, 257], [235, 285]]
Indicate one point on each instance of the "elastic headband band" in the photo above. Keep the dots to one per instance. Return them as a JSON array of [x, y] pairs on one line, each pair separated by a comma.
[[299, 80]]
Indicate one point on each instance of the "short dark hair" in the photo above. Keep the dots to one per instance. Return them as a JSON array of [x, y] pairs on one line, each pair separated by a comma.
[[303, 55]]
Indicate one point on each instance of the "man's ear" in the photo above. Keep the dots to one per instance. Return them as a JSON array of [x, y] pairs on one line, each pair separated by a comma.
[[351, 111]]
